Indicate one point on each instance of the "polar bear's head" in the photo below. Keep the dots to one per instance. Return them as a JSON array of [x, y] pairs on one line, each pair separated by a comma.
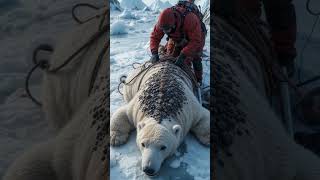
[[157, 141]]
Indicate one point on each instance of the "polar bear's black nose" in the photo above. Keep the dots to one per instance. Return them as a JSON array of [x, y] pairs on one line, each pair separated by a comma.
[[148, 171]]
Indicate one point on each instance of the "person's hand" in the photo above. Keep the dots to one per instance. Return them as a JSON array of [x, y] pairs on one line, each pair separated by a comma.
[[154, 58], [180, 61]]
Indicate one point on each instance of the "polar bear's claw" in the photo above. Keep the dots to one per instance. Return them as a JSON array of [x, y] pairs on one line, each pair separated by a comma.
[[117, 138]]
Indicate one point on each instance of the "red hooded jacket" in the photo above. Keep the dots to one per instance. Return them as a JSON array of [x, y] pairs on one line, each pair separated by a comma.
[[191, 29], [280, 15]]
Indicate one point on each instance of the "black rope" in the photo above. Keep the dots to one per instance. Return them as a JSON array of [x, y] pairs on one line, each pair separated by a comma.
[[207, 87], [310, 11], [122, 81], [78, 20], [33, 99], [97, 66], [41, 47], [136, 63], [316, 78]]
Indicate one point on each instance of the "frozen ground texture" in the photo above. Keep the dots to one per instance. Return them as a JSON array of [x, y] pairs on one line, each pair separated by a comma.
[[192, 159]]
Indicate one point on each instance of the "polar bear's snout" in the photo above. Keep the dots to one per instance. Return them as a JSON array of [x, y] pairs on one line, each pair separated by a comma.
[[151, 161]]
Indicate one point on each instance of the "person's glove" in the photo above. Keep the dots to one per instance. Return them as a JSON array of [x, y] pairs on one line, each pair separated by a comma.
[[198, 70], [154, 58], [180, 61]]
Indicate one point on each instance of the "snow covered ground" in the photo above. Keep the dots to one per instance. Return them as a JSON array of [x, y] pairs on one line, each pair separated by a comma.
[[130, 45]]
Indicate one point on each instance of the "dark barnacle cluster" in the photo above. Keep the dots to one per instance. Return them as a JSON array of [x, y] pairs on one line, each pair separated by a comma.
[[100, 115], [229, 120], [164, 95]]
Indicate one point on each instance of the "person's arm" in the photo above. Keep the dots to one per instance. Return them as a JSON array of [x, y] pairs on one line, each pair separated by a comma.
[[155, 39], [193, 31], [282, 19]]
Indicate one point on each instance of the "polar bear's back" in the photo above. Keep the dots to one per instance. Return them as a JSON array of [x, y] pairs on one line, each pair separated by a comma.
[[136, 80]]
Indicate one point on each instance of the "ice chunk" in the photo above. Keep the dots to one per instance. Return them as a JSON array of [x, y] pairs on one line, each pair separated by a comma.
[[118, 28]]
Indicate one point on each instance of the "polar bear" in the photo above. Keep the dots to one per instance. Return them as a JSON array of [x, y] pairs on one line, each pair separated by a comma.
[[248, 137], [80, 150], [161, 106]]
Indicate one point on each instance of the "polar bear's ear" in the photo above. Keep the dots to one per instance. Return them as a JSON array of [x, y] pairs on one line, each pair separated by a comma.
[[176, 129], [141, 125]]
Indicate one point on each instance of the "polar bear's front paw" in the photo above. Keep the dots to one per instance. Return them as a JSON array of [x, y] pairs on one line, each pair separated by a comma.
[[204, 139], [117, 138]]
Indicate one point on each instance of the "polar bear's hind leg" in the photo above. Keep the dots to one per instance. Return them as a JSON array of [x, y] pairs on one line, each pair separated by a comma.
[[202, 128], [120, 127]]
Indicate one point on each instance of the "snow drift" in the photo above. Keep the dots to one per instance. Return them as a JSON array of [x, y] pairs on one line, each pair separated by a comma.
[[115, 5], [118, 28], [126, 14], [159, 5], [133, 4], [205, 9]]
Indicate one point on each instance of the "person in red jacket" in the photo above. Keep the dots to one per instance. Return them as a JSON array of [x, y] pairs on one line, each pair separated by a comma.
[[186, 38], [281, 17]]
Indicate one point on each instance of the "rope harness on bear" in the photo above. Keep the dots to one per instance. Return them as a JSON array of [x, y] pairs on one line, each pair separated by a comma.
[[147, 66], [44, 64]]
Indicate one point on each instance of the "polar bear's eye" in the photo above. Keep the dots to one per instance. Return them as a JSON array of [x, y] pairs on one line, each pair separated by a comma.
[[142, 144], [163, 148]]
